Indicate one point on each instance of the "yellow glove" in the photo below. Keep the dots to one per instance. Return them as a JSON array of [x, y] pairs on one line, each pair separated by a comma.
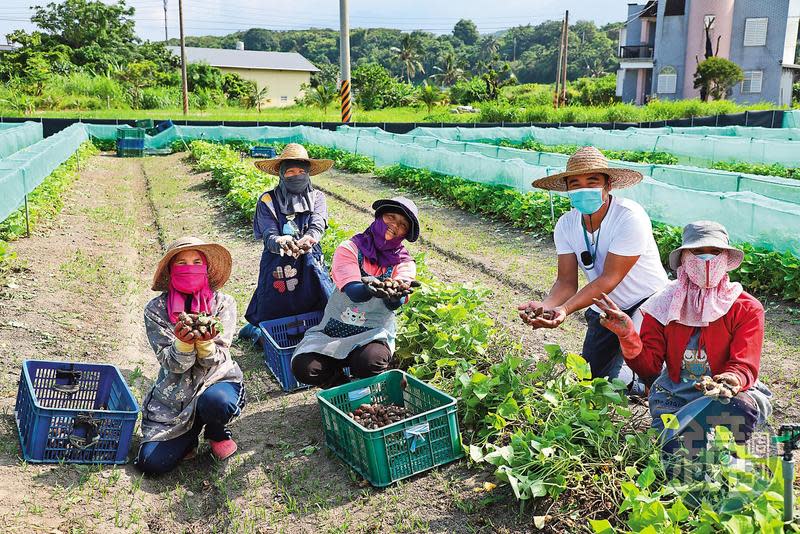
[[205, 348], [182, 346]]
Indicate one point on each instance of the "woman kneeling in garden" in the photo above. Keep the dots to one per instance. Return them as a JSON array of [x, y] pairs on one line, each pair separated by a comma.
[[709, 333], [290, 220], [199, 385], [358, 329]]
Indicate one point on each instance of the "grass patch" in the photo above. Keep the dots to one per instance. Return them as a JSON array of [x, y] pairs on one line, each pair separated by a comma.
[[85, 273]]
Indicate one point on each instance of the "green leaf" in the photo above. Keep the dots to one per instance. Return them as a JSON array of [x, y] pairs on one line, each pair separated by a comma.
[[739, 524], [670, 421], [509, 409], [550, 397], [678, 512], [601, 526], [646, 478], [579, 366], [475, 453]]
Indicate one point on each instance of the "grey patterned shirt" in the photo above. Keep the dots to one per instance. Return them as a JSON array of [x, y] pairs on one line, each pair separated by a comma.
[[168, 409]]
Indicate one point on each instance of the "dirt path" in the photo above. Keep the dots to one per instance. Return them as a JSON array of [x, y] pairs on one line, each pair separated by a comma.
[[80, 297]]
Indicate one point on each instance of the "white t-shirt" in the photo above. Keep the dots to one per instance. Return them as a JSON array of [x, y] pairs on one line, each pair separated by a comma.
[[625, 231]]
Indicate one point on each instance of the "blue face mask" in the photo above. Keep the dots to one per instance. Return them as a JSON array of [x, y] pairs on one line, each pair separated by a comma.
[[706, 257], [586, 200]]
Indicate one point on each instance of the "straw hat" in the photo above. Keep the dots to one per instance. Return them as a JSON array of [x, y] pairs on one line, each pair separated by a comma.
[[589, 160], [294, 152], [218, 259], [706, 234]]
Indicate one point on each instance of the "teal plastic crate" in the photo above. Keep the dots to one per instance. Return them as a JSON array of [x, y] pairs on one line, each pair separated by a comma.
[[130, 133], [427, 439]]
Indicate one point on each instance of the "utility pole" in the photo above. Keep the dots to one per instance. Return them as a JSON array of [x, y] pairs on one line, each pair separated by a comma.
[[166, 36], [183, 61], [344, 51], [566, 53], [557, 93]]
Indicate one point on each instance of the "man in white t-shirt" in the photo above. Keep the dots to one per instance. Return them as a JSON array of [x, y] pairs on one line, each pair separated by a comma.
[[611, 239]]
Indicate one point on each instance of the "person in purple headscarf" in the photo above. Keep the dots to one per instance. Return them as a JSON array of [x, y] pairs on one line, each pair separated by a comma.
[[358, 329]]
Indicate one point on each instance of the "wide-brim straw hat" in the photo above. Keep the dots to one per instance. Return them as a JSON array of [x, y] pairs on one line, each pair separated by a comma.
[[294, 152], [218, 259], [589, 160], [706, 234]]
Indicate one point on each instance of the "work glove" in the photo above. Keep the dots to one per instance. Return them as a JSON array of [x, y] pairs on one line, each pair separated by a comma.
[[616, 320], [288, 246]]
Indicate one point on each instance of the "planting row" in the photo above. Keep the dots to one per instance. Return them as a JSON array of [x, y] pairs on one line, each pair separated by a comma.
[[546, 428]]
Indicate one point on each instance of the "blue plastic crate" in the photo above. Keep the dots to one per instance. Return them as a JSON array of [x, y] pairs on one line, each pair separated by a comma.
[[74, 412], [281, 336], [130, 144], [161, 126], [262, 152]]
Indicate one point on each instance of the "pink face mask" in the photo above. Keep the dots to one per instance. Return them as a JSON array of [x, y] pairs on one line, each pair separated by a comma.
[[705, 274], [188, 278]]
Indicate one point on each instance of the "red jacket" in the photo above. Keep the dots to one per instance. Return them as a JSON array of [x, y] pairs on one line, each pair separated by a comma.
[[732, 343]]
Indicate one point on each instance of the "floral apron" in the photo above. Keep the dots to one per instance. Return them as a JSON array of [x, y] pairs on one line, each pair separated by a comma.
[[290, 286], [348, 325]]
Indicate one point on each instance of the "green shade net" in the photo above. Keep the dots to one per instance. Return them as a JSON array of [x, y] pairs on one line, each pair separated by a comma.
[[18, 136], [704, 147], [754, 208], [23, 171]]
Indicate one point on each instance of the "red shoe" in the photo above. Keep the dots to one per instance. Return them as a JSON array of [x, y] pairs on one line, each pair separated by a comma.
[[223, 450]]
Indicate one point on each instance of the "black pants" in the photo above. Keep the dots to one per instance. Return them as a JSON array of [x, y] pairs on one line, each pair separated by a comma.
[[326, 372]]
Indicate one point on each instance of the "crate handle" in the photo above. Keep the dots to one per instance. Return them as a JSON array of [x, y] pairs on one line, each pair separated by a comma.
[[358, 394], [72, 376], [84, 431], [416, 434]]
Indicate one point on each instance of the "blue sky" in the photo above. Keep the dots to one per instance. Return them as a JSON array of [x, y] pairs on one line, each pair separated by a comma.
[[219, 17]]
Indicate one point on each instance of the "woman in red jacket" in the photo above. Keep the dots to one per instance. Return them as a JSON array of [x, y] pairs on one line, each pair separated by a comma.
[[700, 340]]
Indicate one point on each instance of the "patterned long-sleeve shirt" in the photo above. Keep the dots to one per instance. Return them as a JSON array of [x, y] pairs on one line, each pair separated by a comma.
[[168, 409]]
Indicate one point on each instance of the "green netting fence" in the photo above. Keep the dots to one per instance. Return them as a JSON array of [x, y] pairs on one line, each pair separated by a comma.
[[23, 171], [791, 119], [19, 136], [689, 149], [755, 209]]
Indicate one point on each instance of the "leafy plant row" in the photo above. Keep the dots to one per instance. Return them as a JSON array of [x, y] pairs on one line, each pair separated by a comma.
[[661, 158], [546, 428], [775, 169], [44, 202]]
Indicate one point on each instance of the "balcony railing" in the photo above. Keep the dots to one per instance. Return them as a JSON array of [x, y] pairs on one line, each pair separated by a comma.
[[636, 52]]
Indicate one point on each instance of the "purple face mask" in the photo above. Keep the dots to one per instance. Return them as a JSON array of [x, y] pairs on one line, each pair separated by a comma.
[[374, 246]]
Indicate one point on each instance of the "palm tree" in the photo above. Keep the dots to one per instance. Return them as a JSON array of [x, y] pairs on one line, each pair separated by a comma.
[[408, 55], [430, 95], [489, 47], [322, 96], [449, 73], [256, 97]]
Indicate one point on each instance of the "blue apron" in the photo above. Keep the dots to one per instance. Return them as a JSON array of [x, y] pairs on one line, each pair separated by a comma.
[[286, 285]]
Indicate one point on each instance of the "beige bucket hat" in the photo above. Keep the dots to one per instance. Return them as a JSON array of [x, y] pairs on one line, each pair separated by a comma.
[[701, 234], [217, 257], [295, 152], [585, 161]]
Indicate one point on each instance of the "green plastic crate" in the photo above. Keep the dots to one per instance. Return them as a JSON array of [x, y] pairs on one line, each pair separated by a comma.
[[144, 123], [396, 451], [130, 133]]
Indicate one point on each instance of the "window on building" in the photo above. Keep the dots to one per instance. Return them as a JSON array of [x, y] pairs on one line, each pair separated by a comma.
[[284, 99], [755, 32], [667, 80], [752, 81], [675, 8]]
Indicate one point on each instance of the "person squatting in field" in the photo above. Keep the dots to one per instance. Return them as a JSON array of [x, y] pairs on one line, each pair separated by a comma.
[[199, 386], [611, 239], [358, 329], [700, 340], [290, 220]]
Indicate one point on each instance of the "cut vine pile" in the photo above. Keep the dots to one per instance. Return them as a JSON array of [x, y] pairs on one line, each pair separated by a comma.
[[377, 415], [200, 323], [390, 288]]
